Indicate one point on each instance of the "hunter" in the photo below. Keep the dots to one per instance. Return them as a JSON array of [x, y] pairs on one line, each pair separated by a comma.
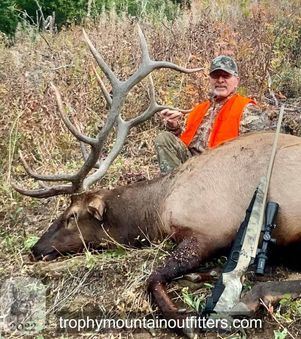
[[223, 117]]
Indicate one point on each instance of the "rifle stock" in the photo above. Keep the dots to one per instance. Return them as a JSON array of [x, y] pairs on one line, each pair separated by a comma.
[[233, 286]]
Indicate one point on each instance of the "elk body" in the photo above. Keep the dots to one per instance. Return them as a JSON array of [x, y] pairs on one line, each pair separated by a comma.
[[200, 205]]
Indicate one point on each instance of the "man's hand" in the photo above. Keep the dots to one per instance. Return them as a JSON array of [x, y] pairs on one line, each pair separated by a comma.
[[171, 118]]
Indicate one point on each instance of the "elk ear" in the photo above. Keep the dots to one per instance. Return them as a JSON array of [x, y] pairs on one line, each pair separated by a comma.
[[96, 207]]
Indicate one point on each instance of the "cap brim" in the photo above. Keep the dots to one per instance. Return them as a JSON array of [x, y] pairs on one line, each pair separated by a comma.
[[222, 69]]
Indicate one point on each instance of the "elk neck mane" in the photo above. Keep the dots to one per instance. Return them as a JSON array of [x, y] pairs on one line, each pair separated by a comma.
[[137, 208]]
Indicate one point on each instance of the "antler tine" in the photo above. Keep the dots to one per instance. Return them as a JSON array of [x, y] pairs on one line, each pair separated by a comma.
[[60, 177], [153, 108], [46, 193], [101, 63], [83, 148], [103, 88], [67, 122], [166, 64], [151, 90], [143, 45], [122, 132], [148, 113], [85, 153], [148, 65], [145, 69], [43, 185], [75, 179]]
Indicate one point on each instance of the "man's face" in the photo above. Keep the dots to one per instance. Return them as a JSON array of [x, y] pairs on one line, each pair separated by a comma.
[[223, 83]]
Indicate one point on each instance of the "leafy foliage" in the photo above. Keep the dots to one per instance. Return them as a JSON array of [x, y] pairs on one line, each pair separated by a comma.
[[67, 12], [30, 241], [280, 334], [196, 302], [8, 17], [290, 308]]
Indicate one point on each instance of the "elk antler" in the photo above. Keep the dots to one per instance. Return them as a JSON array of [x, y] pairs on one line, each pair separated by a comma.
[[82, 180]]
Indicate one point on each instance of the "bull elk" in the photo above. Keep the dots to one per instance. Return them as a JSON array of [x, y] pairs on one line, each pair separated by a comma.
[[199, 206]]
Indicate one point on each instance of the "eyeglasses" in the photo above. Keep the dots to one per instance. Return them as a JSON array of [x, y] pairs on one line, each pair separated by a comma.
[[217, 75]]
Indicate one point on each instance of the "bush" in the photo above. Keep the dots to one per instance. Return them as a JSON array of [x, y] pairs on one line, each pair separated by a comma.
[[8, 17]]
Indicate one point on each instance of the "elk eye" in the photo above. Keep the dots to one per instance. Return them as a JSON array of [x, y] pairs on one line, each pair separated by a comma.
[[71, 219]]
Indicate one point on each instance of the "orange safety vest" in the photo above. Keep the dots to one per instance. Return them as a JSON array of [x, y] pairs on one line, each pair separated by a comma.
[[226, 123]]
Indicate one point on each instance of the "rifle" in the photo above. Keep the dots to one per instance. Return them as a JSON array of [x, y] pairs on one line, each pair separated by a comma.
[[226, 292]]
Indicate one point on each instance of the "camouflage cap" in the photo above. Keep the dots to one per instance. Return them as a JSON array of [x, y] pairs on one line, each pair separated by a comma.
[[224, 63]]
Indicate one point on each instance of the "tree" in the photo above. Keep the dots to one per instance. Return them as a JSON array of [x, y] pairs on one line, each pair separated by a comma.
[[8, 17], [70, 11]]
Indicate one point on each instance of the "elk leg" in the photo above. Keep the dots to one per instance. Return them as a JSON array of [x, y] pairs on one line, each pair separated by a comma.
[[184, 259], [270, 292]]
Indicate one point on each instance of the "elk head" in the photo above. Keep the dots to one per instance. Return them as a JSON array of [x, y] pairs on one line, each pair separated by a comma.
[[67, 234], [80, 227]]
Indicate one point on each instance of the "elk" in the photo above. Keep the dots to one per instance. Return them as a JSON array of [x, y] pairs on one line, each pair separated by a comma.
[[199, 206]]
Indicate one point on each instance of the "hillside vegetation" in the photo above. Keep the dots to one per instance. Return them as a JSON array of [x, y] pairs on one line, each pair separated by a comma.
[[264, 38]]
